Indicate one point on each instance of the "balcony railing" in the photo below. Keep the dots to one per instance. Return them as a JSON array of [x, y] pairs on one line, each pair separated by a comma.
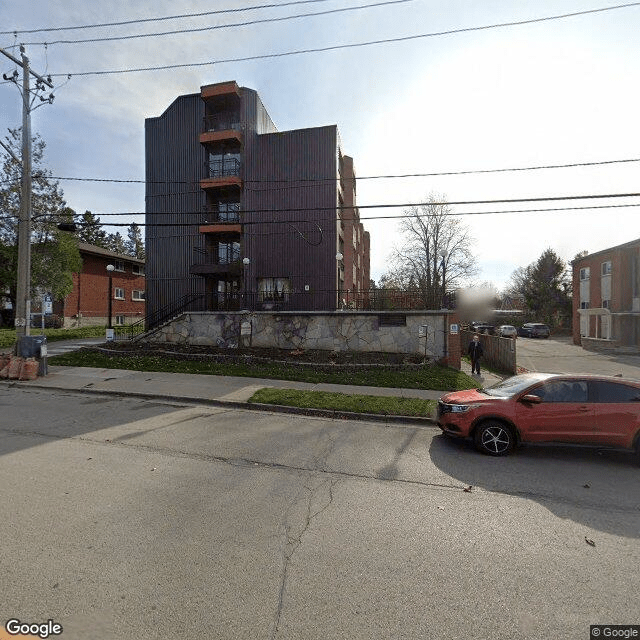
[[222, 212], [223, 167], [222, 122]]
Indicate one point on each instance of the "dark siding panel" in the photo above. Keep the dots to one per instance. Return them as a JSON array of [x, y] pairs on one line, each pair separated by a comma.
[[278, 250], [174, 164]]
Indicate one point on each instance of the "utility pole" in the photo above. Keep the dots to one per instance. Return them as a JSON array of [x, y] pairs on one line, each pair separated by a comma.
[[23, 293]]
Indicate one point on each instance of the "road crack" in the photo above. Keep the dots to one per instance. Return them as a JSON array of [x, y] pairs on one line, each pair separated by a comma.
[[312, 500]]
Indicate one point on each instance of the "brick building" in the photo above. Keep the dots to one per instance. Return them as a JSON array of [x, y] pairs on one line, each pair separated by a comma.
[[241, 215], [606, 297], [88, 303]]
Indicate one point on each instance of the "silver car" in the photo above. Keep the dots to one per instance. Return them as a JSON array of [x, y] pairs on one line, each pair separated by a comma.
[[507, 331]]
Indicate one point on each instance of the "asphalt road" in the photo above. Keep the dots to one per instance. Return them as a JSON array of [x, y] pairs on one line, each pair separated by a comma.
[[560, 355], [126, 519]]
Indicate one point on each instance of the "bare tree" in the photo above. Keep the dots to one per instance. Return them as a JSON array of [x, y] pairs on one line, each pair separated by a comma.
[[435, 255]]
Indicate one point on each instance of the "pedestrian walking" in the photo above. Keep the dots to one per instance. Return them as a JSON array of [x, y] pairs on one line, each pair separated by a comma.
[[475, 351]]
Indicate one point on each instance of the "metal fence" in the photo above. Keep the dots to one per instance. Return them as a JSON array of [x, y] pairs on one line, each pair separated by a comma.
[[294, 300]]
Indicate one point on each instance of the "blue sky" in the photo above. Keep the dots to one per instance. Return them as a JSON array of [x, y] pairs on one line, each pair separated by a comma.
[[554, 92]]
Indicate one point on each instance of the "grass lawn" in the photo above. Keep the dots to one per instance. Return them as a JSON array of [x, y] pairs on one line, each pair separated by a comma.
[[345, 402], [428, 377], [8, 336]]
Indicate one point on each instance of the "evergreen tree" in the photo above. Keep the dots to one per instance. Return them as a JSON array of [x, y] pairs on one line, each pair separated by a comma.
[[546, 287], [90, 230], [116, 243], [135, 243]]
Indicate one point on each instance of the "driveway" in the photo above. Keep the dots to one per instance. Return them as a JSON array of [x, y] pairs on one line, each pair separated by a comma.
[[559, 354], [58, 347]]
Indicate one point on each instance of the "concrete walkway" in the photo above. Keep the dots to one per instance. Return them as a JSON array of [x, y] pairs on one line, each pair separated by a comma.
[[220, 390]]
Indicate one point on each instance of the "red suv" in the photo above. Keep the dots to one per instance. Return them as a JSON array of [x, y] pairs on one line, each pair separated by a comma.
[[545, 407]]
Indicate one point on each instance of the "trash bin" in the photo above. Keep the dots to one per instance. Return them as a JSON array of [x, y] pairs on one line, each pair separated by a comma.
[[34, 347], [31, 346]]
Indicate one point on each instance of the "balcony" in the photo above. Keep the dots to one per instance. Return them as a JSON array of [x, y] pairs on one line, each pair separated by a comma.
[[222, 212], [222, 172], [224, 261], [221, 127], [222, 217]]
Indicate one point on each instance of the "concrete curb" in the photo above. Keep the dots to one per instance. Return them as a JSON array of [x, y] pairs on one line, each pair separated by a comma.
[[276, 408]]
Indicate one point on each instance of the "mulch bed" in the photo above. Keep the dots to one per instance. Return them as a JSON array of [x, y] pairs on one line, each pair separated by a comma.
[[247, 355]]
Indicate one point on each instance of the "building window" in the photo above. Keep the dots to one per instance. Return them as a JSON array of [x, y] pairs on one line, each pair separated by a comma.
[[118, 293], [119, 320], [606, 304], [606, 268], [118, 265], [228, 252], [137, 295], [584, 305], [137, 269], [585, 273], [273, 289]]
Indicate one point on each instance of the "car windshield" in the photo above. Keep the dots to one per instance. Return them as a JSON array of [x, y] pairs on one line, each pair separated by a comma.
[[512, 386]]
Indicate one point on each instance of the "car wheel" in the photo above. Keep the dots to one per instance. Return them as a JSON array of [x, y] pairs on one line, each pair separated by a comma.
[[494, 438]]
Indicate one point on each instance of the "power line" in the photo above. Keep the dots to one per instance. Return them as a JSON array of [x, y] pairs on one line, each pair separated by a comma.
[[395, 217], [381, 206], [356, 178], [513, 23], [160, 19], [219, 26]]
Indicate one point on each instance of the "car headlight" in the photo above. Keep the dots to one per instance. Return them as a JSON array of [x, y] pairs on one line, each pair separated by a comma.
[[461, 408]]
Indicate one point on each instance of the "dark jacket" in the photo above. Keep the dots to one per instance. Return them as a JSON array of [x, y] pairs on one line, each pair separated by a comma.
[[474, 350]]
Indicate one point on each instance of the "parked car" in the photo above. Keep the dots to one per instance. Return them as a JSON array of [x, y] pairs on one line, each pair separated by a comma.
[[507, 331], [545, 407], [534, 330], [483, 327]]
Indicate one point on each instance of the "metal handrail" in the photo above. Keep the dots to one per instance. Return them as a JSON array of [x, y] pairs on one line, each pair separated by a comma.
[[163, 314], [222, 122], [229, 213], [221, 168]]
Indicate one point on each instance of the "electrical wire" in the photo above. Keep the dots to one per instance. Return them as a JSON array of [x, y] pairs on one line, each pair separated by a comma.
[[414, 214], [355, 178], [514, 23], [137, 36], [160, 19]]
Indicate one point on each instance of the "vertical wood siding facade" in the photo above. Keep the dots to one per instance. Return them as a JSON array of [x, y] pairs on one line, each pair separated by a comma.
[[280, 172], [175, 162]]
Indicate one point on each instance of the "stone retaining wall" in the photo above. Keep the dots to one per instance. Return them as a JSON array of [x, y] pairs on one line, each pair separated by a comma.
[[392, 332]]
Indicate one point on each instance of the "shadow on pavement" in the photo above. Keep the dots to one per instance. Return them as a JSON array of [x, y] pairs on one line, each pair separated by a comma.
[[599, 488]]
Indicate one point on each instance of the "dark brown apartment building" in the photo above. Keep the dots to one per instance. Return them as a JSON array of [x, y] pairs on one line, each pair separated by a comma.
[[241, 215]]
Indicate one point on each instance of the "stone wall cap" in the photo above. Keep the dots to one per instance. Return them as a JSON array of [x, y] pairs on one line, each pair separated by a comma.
[[427, 312]]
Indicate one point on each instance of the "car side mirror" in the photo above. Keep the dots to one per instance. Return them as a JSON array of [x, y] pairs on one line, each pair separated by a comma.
[[531, 399]]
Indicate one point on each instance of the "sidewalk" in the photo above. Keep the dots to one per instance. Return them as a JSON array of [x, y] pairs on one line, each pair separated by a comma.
[[218, 390], [186, 386], [486, 379]]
